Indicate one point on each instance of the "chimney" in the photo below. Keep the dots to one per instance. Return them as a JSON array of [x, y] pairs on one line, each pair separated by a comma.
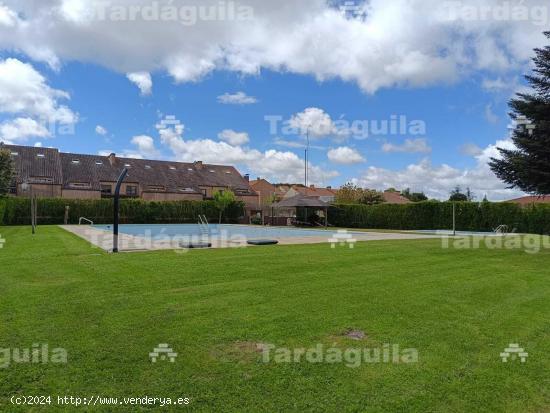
[[198, 165], [112, 158], [247, 177]]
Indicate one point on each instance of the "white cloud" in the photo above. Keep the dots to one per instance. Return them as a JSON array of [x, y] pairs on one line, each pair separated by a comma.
[[239, 98], [438, 181], [100, 130], [490, 115], [21, 129], [409, 146], [345, 155], [233, 138], [275, 165], [143, 81], [24, 91], [310, 38], [8, 17], [317, 122], [470, 149], [145, 146]]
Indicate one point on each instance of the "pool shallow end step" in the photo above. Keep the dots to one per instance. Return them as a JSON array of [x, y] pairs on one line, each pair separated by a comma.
[[262, 242]]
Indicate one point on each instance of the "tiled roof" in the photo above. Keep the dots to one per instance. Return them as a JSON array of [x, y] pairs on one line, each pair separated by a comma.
[[315, 191], [36, 164], [531, 200], [173, 176], [177, 177], [395, 198]]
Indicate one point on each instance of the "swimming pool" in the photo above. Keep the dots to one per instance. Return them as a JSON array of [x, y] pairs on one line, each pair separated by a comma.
[[161, 231]]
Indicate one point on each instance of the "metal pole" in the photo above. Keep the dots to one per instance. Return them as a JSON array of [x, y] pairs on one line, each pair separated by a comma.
[[33, 210], [116, 209], [454, 218], [306, 154]]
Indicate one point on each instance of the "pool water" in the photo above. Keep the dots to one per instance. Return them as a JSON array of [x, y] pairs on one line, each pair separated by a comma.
[[216, 231]]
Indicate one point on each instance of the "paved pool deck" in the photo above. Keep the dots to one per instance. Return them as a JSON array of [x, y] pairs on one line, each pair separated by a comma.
[[129, 243]]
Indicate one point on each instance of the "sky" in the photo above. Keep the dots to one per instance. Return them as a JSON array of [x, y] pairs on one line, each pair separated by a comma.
[[404, 94]]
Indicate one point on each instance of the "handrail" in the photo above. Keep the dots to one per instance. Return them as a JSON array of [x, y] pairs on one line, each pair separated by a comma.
[[203, 225], [85, 219]]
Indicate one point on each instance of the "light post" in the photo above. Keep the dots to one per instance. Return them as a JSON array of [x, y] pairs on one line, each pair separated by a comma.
[[25, 186], [306, 154], [116, 209]]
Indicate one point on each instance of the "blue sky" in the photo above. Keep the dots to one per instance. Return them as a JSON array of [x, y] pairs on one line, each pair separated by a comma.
[[114, 96]]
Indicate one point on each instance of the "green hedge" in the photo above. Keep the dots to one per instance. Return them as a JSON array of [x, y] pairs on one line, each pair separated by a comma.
[[470, 216], [16, 211]]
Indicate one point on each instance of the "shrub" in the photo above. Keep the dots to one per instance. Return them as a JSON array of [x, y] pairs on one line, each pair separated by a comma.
[[470, 216], [17, 211]]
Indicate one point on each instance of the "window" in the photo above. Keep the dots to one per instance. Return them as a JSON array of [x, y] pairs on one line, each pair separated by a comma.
[[127, 165], [155, 188], [98, 162], [40, 155], [186, 190], [13, 188], [14, 153], [40, 179], [75, 161], [106, 189], [131, 190], [203, 192], [80, 185], [173, 168], [147, 166]]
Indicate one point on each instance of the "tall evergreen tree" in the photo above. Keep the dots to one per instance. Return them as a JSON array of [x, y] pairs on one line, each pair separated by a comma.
[[7, 171], [528, 166]]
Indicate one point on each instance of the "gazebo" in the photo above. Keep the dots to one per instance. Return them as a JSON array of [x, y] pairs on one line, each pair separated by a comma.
[[302, 201]]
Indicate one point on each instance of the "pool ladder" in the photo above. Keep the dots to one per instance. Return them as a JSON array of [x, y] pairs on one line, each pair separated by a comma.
[[203, 225], [502, 229]]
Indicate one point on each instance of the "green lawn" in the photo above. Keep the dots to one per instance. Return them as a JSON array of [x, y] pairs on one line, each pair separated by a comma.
[[459, 308]]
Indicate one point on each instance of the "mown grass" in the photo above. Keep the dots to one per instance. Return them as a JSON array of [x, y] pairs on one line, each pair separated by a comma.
[[459, 308]]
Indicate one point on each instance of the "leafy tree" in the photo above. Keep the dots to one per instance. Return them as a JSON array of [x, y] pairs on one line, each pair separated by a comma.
[[223, 200], [352, 194], [527, 167], [457, 195], [371, 197], [7, 171], [348, 194], [414, 196]]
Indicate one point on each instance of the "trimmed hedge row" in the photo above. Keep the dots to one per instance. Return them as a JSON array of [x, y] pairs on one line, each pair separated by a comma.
[[16, 211], [470, 216]]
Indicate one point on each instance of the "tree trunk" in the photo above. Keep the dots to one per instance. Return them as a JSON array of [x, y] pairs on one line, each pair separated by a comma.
[[220, 217]]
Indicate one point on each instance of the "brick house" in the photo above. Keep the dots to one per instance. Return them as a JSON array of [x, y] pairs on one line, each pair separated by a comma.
[[53, 174]]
